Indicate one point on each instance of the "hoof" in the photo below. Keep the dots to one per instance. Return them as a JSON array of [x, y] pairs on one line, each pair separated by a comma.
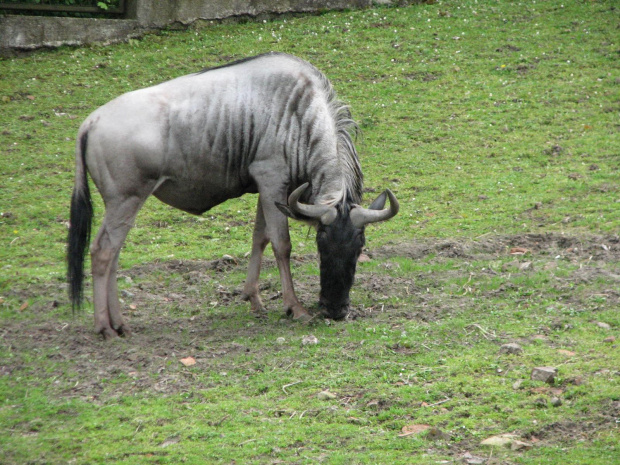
[[338, 316], [123, 330], [299, 313], [259, 313], [304, 318]]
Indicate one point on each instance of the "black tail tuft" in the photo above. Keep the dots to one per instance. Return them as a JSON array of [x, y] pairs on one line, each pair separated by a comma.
[[79, 229]]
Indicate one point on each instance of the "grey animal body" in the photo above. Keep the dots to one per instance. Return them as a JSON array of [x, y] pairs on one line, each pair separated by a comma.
[[270, 125]]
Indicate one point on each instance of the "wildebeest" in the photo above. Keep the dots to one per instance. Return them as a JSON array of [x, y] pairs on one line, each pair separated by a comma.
[[269, 124]]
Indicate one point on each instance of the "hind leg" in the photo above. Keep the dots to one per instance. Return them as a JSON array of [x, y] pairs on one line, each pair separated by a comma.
[[104, 252], [259, 242], [114, 307]]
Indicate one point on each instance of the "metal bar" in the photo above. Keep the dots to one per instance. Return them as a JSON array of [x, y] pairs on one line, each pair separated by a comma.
[[63, 8]]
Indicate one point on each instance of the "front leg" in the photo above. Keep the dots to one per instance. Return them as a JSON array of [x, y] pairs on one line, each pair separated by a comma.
[[276, 231], [277, 227]]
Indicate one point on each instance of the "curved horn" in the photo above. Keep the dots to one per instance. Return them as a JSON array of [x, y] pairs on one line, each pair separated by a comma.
[[324, 213], [363, 216]]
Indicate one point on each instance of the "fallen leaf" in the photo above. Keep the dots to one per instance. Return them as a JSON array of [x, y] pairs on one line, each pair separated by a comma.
[[409, 430], [133, 306], [30, 97], [188, 361], [519, 251], [568, 353], [23, 307], [363, 258]]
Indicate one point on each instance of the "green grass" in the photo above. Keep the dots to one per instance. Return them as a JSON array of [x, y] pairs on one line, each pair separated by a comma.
[[496, 124]]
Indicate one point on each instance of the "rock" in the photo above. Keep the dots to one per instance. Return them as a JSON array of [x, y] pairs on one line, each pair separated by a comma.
[[363, 258], [602, 325], [541, 402], [326, 395], [609, 340], [556, 401], [525, 266], [517, 384], [544, 374], [472, 459], [280, 341], [170, 441], [576, 381], [502, 440], [309, 340], [510, 348], [435, 434]]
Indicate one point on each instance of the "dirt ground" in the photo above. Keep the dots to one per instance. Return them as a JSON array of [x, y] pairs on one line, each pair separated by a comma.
[[163, 303]]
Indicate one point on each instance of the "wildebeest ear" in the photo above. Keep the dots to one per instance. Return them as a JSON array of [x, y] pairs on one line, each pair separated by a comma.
[[291, 214], [286, 210], [379, 202]]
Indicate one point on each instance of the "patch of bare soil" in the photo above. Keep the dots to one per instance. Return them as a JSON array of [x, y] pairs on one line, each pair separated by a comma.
[[605, 248]]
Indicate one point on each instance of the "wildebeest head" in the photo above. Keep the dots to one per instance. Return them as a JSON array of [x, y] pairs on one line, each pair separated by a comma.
[[340, 238]]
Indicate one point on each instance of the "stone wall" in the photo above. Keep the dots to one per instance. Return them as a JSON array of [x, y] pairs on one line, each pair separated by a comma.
[[19, 33]]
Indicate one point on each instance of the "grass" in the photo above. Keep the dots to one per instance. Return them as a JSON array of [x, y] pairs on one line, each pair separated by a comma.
[[496, 124]]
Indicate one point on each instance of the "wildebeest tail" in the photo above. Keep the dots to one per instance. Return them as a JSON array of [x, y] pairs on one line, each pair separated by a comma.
[[79, 225]]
